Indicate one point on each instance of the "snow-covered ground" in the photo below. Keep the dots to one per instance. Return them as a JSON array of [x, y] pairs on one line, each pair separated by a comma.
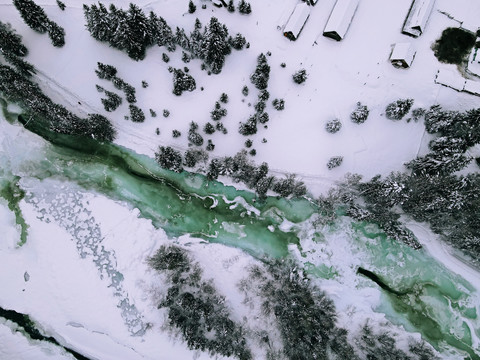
[[339, 75], [65, 293]]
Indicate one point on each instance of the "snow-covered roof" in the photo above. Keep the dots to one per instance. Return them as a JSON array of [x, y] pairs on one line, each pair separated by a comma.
[[417, 17], [472, 87], [340, 19], [403, 54], [451, 79], [297, 21]]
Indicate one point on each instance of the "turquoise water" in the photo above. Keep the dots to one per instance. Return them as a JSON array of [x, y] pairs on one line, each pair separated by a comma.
[[440, 305]]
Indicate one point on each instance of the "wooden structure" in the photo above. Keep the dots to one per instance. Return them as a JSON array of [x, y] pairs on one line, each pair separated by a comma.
[[340, 19]]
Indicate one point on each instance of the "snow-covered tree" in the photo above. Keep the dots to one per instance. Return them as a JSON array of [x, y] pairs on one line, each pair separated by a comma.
[[333, 126], [278, 104], [191, 7], [261, 75], [244, 7], [136, 114], [360, 114], [300, 76], [334, 162], [169, 158], [398, 109], [182, 82], [215, 45], [33, 15], [112, 101]]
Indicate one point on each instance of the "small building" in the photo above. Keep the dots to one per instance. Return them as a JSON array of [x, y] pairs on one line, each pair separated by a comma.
[[297, 21], [340, 19], [417, 17], [402, 55]]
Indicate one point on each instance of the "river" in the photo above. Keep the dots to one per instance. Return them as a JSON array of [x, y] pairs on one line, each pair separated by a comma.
[[428, 299]]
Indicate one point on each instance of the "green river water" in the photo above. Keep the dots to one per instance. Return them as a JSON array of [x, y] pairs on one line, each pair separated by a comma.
[[440, 305]]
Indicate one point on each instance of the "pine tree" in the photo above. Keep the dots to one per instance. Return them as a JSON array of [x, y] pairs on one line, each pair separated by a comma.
[[398, 109], [191, 7], [161, 33], [112, 101], [230, 6], [261, 74], [169, 158], [61, 5], [244, 7], [33, 15], [136, 114], [182, 82], [300, 76], [215, 45], [56, 34]]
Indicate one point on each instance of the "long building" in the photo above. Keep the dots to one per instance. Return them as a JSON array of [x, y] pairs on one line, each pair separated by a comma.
[[340, 19]]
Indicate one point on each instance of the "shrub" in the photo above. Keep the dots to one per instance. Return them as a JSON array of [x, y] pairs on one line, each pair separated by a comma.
[[245, 90], [244, 7], [230, 6], [107, 72], [165, 58], [219, 112], [209, 129], [195, 138], [263, 118], [264, 95], [278, 104], [224, 98], [333, 126], [454, 45], [153, 113], [360, 114], [249, 127], [334, 162], [248, 143], [398, 109], [260, 106], [300, 76], [253, 152], [210, 146], [144, 84], [166, 113], [176, 133], [169, 158], [418, 113]]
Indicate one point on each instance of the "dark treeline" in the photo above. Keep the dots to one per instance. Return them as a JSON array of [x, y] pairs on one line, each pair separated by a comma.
[[433, 192], [36, 18], [133, 31], [16, 86], [13, 50], [195, 308], [238, 167]]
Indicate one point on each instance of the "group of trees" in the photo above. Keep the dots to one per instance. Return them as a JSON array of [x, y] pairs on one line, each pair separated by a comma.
[[195, 308], [306, 320], [433, 192], [13, 50], [398, 109], [16, 86], [113, 100], [36, 18], [238, 167], [44, 112], [133, 31]]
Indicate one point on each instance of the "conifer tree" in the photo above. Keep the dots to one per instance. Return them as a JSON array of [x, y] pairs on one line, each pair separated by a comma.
[[191, 7], [215, 45], [262, 73], [33, 15]]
